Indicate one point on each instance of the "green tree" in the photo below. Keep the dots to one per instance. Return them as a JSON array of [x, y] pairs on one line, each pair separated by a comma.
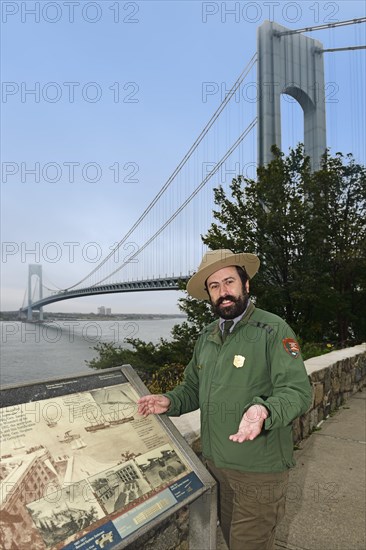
[[336, 247], [266, 217], [309, 231]]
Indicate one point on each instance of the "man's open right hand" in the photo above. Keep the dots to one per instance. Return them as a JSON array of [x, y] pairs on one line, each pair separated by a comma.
[[153, 404]]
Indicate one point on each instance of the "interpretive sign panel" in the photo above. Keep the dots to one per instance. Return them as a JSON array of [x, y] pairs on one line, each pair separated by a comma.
[[82, 470]]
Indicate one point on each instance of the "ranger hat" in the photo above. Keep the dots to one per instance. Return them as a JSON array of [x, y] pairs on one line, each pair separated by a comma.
[[214, 260]]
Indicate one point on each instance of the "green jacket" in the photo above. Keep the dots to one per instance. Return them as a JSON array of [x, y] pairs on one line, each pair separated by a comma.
[[268, 369]]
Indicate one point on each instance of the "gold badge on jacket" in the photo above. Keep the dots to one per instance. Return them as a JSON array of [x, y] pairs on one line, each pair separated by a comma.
[[238, 361]]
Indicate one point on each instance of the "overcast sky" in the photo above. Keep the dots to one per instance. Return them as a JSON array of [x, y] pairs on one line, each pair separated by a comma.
[[100, 102]]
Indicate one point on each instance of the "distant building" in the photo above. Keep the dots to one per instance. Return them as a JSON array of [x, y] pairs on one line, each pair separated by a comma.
[[104, 310]]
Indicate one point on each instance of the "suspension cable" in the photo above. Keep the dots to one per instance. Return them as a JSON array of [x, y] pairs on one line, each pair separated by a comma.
[[342, 49], [214, 117], [24, 297], [325, 26], [187, 201], [50, 283]]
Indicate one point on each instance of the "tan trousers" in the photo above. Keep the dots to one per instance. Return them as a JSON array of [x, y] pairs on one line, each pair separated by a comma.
[[251, 504]]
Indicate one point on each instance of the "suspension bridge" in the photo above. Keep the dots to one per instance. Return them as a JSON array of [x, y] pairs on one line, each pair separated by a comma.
[[163, 245]]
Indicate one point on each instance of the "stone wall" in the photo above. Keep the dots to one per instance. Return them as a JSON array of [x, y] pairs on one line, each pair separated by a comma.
[[334, 377]]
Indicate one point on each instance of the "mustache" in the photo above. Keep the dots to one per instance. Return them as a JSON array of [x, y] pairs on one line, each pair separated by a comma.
[[228, 297]]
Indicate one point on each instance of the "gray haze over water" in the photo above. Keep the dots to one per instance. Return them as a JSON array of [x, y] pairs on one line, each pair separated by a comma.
[[32, 352]]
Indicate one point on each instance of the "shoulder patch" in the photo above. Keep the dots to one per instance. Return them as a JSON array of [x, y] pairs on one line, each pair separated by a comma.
[[291, 347]]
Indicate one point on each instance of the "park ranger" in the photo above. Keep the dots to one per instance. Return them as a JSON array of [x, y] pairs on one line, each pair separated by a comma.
[[248, 379]]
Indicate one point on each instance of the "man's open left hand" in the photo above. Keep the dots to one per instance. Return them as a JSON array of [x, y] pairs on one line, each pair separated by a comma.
[[251, 424]]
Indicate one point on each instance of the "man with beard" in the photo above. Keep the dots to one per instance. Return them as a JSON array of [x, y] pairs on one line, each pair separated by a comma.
[[249, 381]]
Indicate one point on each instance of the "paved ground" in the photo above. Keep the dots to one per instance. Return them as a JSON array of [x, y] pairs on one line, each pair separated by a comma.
[[326, 502]]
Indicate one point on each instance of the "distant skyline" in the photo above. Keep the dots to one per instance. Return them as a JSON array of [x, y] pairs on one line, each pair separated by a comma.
[[100, 102]]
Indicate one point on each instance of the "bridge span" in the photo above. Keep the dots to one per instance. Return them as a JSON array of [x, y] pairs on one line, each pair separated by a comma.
[[165, 283]]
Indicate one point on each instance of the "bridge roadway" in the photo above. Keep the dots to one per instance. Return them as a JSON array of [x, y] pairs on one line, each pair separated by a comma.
[[166, 283]]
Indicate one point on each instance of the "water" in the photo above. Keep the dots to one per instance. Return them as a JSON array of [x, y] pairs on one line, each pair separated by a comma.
[[32, 352]]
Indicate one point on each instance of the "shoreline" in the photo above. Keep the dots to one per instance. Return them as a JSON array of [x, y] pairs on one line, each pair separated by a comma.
[[13, 316]]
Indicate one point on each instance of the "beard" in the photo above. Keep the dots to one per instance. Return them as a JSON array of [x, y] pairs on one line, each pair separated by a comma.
[[233, 310]]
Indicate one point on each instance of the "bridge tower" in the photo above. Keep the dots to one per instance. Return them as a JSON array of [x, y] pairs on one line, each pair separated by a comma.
[[290, 64], [34, 269]]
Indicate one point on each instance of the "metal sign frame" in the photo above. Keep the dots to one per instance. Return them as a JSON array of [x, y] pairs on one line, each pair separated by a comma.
[[81, 470]]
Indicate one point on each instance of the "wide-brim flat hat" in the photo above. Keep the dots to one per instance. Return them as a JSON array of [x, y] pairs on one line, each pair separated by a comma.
[[214, 260]]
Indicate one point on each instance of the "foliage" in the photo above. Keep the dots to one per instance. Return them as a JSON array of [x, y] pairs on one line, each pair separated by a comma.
[[166, 378], [336, 242], [199, 315], [309, 231], [311, 349], [110, 356], [148, 358]]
